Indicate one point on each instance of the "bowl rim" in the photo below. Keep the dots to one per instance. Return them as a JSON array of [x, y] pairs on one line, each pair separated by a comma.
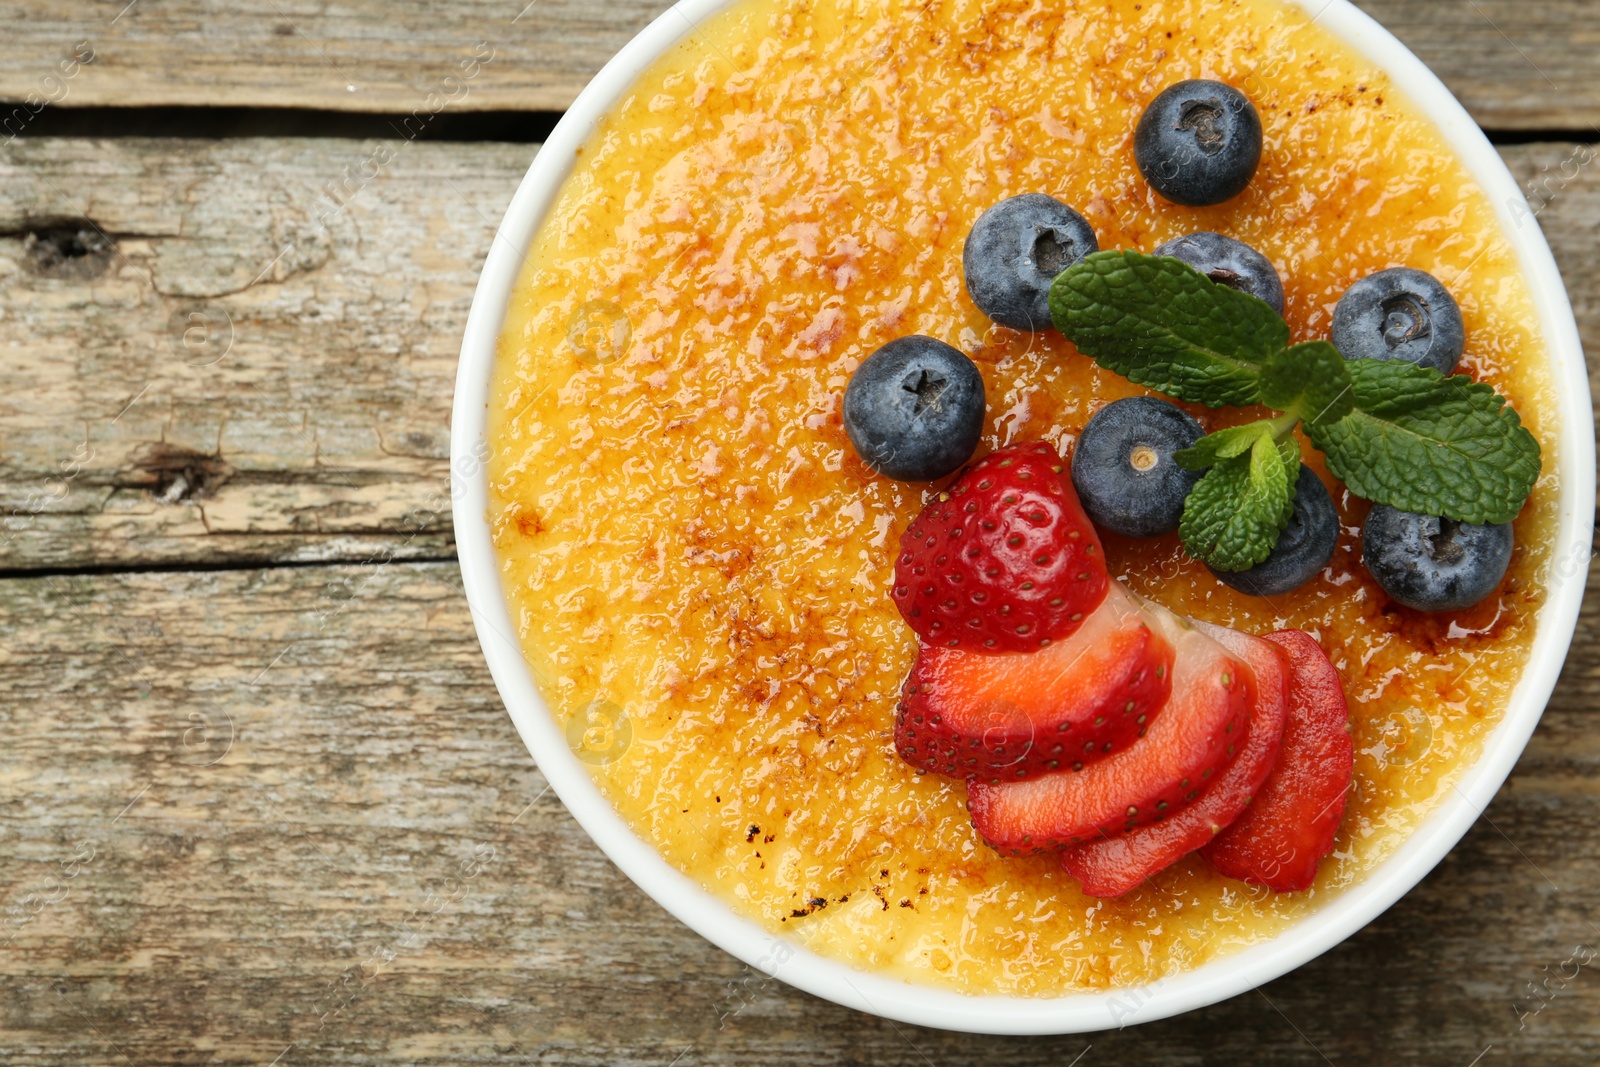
[[785, 958]]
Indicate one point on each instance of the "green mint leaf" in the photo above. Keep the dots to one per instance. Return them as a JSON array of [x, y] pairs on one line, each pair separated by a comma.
[[1289, 452], [1160, 323], [1237, 440], [1419, 441], [1311, 378], [1235, 513], [1222, 444]]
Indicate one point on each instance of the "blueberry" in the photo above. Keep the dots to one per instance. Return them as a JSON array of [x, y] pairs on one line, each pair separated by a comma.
[[1231, 263], [914, 409], [1304, 548], [1434, 564], [1198, 143], [1123, 468], [1014, 252], [1400, 314]]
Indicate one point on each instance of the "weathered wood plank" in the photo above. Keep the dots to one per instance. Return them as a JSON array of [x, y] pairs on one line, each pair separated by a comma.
[[209, 355], [1562, 184], [321, 433], [190, 900], [364, 55], [1514, 64]]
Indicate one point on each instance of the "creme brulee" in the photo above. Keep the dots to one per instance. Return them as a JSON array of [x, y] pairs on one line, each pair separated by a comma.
[[699, 565]]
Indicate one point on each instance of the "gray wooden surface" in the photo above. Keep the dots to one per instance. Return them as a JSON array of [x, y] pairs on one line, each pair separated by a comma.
[[1515, 64], [259, 802]]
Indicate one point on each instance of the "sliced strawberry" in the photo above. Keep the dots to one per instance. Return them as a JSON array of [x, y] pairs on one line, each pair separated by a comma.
[[1292, 822], [1006, 561], [1019, 714], [1195, 735], [1111, 867]]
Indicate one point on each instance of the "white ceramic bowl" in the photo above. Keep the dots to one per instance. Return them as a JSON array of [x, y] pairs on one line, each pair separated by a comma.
[[789, 961]]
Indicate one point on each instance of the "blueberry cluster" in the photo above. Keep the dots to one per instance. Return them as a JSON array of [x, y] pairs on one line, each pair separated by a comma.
[[1130, 482], [914, 410]]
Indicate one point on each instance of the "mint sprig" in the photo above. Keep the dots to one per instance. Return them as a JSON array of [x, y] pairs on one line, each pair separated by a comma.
[[1394, 432], [1160, 323], [1422, 442], [1312, 379], [1236, 511]]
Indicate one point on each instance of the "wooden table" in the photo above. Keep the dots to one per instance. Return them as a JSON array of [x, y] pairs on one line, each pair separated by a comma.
[[259, 802]]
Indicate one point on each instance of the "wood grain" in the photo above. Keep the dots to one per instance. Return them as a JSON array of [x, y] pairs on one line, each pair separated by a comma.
[[304, 414], [281, 774], [321, 432], [1515, 65], [278, 815]]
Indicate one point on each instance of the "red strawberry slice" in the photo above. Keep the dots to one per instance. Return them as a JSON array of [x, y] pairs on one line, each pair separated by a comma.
[[1111, 867], [1292, 822], [1019, 714], [1194, 736], [1006, 561]]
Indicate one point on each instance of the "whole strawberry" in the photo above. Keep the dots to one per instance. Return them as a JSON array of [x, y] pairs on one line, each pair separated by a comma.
[[1005, 561]]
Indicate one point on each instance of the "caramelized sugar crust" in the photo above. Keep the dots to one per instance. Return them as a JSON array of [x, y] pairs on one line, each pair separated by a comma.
[[699, 566]]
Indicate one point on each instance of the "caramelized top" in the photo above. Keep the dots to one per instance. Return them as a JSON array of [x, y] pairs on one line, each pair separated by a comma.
[[699, 566]]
